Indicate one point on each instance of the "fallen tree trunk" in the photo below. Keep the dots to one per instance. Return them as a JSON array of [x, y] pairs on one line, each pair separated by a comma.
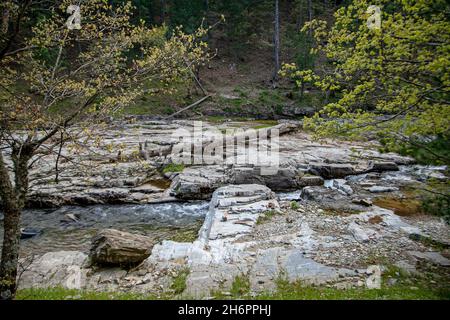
[[188, 107]]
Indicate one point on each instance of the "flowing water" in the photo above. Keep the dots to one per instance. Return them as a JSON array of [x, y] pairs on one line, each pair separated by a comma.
[[59, 231]]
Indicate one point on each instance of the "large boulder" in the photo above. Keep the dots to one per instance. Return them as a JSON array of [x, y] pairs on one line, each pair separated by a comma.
[[114, 247], [282, 180]]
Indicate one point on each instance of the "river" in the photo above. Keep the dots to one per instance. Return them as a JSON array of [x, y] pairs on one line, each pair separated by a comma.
[[59, 231]]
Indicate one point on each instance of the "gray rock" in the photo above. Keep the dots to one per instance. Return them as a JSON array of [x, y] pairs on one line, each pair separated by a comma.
[[433, 257], [238, 204], [375, 166], [199, 182], [284, 179], [340, 185], [308, 180], [328, 198], [363, 202], [358, 232], [406, 266], [331, 171], [56, 269], [70, 217]]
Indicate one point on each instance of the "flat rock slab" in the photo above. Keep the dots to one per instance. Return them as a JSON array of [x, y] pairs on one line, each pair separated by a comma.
[[56, 269], [433, 257], [331, 171], [235, 209]]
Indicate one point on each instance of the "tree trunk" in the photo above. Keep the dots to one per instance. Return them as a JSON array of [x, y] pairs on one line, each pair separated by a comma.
[[163, 11], [13, 200], [277, 42], [310, 15], [5, 21], [10, 253], [299, 21]]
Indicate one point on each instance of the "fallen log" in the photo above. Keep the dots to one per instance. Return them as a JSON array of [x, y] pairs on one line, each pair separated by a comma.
[[188, 107]]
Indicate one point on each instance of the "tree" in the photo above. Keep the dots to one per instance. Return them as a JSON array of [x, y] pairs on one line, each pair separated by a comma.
[[276, 41], [391, 81], [63, 81]]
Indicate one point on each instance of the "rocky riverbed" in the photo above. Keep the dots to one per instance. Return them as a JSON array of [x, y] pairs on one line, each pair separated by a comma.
[[332, 209]]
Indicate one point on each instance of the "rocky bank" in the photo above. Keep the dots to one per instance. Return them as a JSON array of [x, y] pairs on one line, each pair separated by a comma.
[[316, 220]]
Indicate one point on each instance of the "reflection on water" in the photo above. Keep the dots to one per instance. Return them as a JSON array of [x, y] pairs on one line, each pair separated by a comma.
[[59, 231]]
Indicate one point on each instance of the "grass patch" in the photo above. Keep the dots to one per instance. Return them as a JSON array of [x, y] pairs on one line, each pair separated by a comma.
[[266, 216], [179, 281], [294, 205], [186, 235], [240, 286], [405, 288], [172, 167], [59, 293], [297, 291]]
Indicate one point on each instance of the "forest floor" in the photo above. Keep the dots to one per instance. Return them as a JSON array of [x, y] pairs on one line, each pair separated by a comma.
[[241, 87]]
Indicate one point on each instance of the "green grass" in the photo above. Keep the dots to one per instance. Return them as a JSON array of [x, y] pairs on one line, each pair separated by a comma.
[[59, 293], [294, 205], [172, 167], [240, 286], [240, 289], [266, 216], [179, 281], [426, 286], [406, 288], [297, 291]]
